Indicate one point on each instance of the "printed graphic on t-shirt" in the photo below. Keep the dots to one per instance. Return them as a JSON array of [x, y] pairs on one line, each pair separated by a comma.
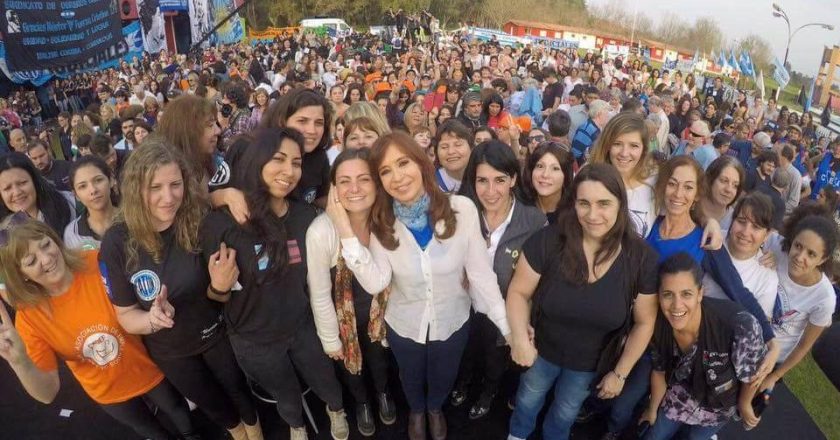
[[639, 220], [103, 273], [100, 345], [785, 321], [146, 284], [294, 252], [309, 194], [262, 262]]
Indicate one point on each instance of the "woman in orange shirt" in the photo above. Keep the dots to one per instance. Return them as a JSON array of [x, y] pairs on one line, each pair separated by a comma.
[[63, 312]]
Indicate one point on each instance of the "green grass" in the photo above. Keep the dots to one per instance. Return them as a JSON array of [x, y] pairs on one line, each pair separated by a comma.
[[818, 395]]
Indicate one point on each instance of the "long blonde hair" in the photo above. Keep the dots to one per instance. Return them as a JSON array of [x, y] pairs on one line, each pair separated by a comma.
[[140, 168], [623, 123], [23, 293]]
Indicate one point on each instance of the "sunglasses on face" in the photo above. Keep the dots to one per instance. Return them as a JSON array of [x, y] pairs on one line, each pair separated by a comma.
[[538, 138]]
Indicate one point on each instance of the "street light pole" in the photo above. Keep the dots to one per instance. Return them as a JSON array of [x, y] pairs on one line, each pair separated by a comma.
[[779, 12]]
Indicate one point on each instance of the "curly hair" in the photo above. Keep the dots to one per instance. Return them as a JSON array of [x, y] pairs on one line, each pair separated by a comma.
[[138, 173]]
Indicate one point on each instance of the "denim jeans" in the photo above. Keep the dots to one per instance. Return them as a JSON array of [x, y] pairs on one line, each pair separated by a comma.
[[570, 390], [635, 389], [665, 429]]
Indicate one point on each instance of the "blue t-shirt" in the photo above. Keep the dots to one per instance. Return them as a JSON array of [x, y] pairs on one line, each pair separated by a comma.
[[690, 244]]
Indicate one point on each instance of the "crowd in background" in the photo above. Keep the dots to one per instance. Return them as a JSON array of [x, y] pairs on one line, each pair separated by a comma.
[[641, 243]]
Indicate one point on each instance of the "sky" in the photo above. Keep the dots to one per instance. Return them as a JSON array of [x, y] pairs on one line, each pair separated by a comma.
[[739, 18]]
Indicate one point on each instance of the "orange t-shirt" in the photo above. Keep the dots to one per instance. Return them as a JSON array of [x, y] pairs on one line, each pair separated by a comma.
[[81, 327]]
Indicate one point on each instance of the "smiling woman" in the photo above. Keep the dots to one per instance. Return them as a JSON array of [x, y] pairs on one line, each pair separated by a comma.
[[429, 307], [152, 267], [272, 335], [63, 313], [453, 143], [24, 190]]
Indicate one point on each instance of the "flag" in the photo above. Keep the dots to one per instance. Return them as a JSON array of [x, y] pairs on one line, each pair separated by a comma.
[[744, 64], [712, 57], [810, 96], [759, 84], [733, 62], [722, 59], [695, 59], [752, 66]]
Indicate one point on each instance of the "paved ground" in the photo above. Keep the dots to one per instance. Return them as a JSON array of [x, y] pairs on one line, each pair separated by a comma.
[[21, 418]]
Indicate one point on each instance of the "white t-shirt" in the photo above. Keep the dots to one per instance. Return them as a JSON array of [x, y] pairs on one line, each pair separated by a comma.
[[800, 305], [641, 206], [761, 281]]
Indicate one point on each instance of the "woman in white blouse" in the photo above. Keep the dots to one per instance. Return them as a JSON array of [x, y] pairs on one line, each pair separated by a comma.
[[346, 289], [432, 245]]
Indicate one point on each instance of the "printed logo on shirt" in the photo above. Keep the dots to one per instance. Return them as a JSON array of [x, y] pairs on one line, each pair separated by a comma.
[[146, 284], [309, 194], [222, 175], [103, 273], [100, 344], [262, 262], [294, 252]]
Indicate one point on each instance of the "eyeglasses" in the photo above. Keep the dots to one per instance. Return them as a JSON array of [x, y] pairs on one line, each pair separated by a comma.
[[539, 138], [693, 134], [17, 219]]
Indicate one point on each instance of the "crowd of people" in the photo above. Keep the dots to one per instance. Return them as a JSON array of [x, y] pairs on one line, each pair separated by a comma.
[[311, 213]]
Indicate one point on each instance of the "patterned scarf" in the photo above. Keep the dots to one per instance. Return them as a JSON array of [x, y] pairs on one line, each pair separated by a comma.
[[416, 215], [346, 314]]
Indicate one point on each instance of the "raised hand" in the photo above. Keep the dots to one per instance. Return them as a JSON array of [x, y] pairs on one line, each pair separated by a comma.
[[12, 348], [338, 215], [162, 313], [223, 269]]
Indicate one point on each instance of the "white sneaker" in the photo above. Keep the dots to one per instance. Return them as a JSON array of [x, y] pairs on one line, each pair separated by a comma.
[[339, 429], [298, 433]]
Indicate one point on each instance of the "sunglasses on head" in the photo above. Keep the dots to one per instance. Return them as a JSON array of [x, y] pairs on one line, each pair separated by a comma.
[[15, 220]]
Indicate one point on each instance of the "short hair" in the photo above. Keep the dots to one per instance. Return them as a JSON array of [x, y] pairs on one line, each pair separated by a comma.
[[781, 178], [787, 152], [680, 262], [100, 145], [597, 106], [721, 139], [559, 123], [767, 156], [655, 101], [760, 209]]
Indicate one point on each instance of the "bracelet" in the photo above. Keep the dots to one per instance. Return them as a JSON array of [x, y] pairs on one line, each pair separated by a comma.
[[619, 376], [218, 292], [152, 326]]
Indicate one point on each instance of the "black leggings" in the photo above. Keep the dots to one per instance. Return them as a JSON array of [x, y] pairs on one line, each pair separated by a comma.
[[273, 367], [375, 361], [135, 414], [483, 350], [214, 382]]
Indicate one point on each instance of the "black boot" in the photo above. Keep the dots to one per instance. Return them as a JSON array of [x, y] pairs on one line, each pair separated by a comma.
[[364, 419], [387, 409]]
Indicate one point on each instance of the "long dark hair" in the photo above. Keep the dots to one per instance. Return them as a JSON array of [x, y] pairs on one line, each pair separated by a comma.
[[499, 156], [280, 111], [566, 165], [247, 177], [49, 200], [571, 260]]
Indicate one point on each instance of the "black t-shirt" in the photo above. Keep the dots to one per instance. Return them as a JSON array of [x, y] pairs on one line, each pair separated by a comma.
[[198, 320], [59, 175], [576, 322], [275, 309], [551, 92], [315, 177]]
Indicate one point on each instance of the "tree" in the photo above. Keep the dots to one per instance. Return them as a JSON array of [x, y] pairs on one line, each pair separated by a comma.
[[705, 35], [759, 50]]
